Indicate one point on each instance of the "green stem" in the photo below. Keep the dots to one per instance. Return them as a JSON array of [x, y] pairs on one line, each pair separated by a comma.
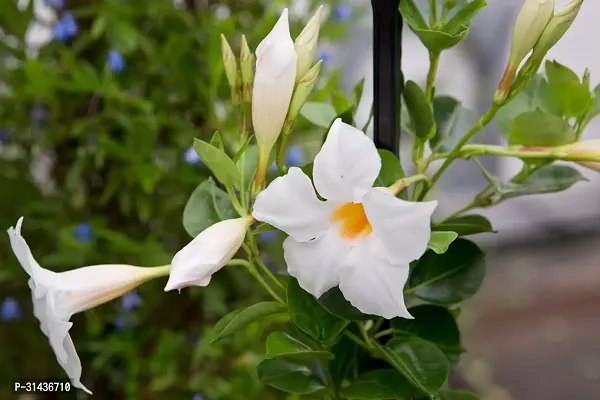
[[256, 256], [434, 59], [254, 272], [483, 121], [235, 202], [432, 12], [385, 332], [283, 139], [357, 340], [237, 262], [403, 183]]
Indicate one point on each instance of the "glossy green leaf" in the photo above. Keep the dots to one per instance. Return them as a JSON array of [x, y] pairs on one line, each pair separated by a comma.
[[433, 323], [380, 384], [548, 179], [218, 162], [419, 361], [391, 169], [334, 302], [412, 15], [290, 376], [311, 318], [437, 41], [537, 128], [419, 109], [342, 367], [452, 121], [319, 113], [239, 319], [456, 395], [572, 96], [282, 344], [466, 225], [451, 277], [207, 205], [440, 240]]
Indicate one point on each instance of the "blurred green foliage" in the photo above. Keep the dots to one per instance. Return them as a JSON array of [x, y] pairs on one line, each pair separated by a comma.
[[93, 156]]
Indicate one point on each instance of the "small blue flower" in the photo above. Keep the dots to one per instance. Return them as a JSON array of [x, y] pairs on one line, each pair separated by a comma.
[[295, 156], [10, 309], [273, 167], [131, 300], [121, 322], [191, 157], [320, 371], [83, 233], [54, 3], [267, 236], [60, 33], [342, 12], [4, 136], [198, 396], [116, 62], [69, 24], [323, 55]]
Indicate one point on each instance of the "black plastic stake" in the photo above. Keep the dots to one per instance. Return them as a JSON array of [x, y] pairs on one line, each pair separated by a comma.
[[387, 74]]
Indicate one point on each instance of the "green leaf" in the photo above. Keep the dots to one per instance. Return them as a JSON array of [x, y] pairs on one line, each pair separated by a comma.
[[319, 113], [537, 128], [412, 15], [437, 41], [466, 225], [548, 179], [433, 323], [123, 36], [218, 162], [440, 240], [391, 169], [572, 96], [451, 277], [340, 102], [239, 319], [346, 356], [309, 317], [334, 302], [464, 16], [289, 375], [357, 92], [206, 206], [282, 344], [456, 395], [419, 109], [452, 121], [380, 384], [419, 361], [242, 150], [216, 141], [595, 109]]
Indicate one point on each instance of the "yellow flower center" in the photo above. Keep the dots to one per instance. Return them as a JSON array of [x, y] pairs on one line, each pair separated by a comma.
[[353, 220]]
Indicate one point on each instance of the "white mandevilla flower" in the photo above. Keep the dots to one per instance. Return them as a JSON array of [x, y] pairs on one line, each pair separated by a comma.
[[207, 253], [360, 238], [273, 84], [58, 295]]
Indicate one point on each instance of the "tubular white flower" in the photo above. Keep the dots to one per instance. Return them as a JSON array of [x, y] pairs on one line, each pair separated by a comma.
[[530, 23], [274, 80], [589, 148], [58, 295], [207, 253], [361, 238]]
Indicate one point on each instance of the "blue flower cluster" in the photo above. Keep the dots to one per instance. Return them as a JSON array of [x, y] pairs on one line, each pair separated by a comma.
[[342, 12], [10, 310], [116, 62], [66, 27], [83, 233]]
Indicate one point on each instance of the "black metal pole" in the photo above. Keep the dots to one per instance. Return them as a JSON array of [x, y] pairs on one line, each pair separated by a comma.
[[387, 75]]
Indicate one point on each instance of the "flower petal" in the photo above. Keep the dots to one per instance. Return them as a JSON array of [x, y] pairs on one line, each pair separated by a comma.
[[347, 164], [290, 204], [207, 253], [315, 264], [274, 81], [402, 227], [21, 249], [373, 285]]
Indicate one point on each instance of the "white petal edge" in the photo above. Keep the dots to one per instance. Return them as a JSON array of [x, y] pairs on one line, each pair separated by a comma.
[[373, 285], [316, 264], [207, 253], [290, 204], [280, 32], [402, 227], [347, 165]]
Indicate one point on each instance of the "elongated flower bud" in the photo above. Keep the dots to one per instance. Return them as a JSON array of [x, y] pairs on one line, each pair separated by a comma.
[[556, 28], [231, 70], [585, 148], [247, 70], [306, 44], [530, 23], [303, 90]]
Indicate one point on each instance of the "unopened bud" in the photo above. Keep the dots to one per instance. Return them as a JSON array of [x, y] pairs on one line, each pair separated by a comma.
[[306, 44], [303, 89], [247, 70], [231, 70], [556, 28], [586, 149]]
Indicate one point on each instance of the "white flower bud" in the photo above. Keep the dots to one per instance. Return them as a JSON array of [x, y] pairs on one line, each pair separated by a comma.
[[556, 28], [306, 44], [531, 22]]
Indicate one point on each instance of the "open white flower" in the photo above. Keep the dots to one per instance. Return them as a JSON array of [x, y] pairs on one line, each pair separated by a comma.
[[195, 264], [58, 295], [361, 238]]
